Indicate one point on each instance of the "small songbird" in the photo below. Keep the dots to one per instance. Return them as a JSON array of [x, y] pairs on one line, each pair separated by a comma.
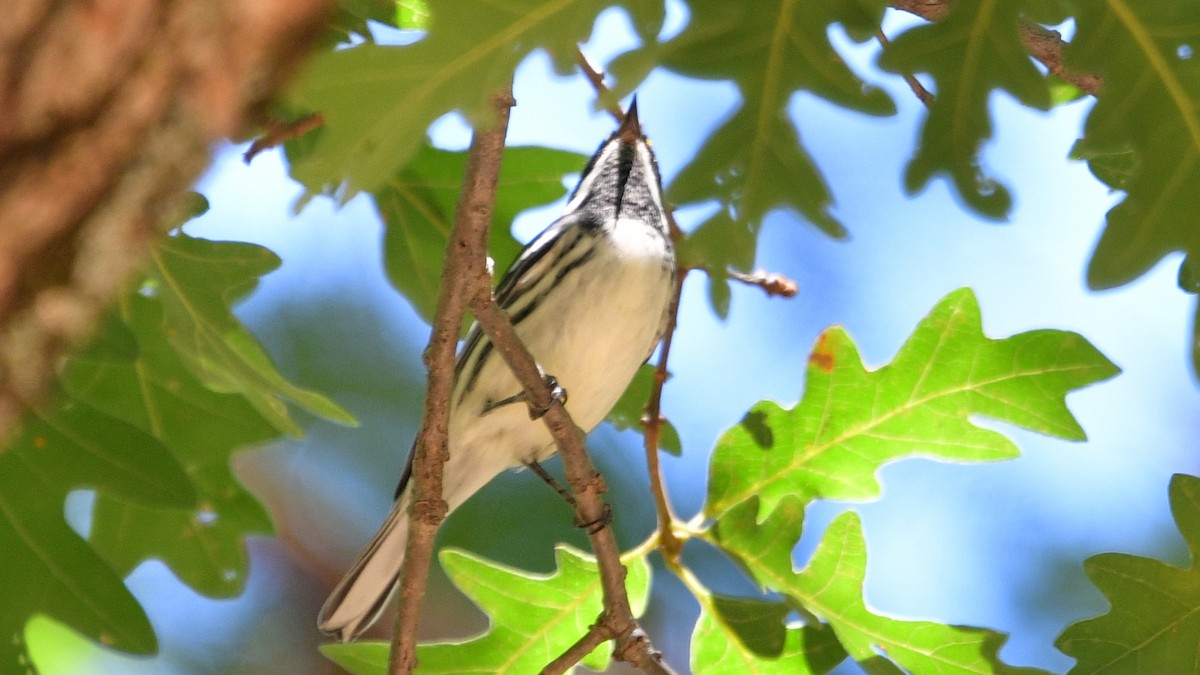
[[589, 297]]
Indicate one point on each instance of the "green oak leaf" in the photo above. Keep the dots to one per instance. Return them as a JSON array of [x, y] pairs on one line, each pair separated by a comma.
[[1154, 624], [376, 120], [417, 205], [756, 623], [411, 14], [360, 658], [197, 280], [84, 447], [349, 21], [1196, 339], [352, 16], [720, 649], [975, 50], [1063, 92], [203, 543], [48, 568], [754, 162], [716, 245], [1113, 167], [534, 617], [853, 420], [631, 407], [1150, 105], [831, 587]]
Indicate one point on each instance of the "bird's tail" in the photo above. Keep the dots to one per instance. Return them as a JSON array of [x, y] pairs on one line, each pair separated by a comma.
[[360, 597]]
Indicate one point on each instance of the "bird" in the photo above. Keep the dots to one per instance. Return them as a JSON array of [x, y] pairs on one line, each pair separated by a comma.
[[590, 298]]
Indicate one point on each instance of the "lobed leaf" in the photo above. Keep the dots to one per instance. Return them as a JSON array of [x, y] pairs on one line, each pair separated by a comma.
[[1154, 623], [719, 647], [197, 280], [1150, 106], [48, 568], [534, 617], [852, 420], [417, 206], [975, 50], [755, 163], [831, 587], [203, 543], [376, 118], [629, 410]]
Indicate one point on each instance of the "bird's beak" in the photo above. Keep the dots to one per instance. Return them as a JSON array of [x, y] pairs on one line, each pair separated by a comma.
[[630, 130]]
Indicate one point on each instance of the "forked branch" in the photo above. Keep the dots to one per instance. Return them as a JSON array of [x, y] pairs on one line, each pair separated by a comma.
[[467, 281], [463, 275]]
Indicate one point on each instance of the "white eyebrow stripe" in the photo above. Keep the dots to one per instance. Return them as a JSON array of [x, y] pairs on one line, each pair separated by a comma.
[[585, 183], [643, 152]]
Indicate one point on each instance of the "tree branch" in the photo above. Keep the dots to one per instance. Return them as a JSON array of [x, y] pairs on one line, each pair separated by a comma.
[[596, 635], [1043, 44], [914, 84], [278, 132], [616, 622], [463, 276], [772, 283], [587, 485], [596, 77]]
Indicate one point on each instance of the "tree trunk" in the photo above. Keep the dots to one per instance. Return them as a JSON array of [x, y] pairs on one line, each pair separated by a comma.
[[108, 110]]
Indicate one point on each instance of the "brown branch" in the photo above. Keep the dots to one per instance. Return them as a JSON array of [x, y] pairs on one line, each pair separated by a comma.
[[1043, 44], [596, 635], [669, 544], [596, 77], [652, 421], [918, 89], [463, 276], [467, 281], [616, 622], [279, 132], [773, 283], [108, 111], [1047, 46], [587, 485]]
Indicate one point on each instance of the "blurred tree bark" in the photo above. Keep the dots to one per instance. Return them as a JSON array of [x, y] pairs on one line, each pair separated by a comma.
[[108, 110]]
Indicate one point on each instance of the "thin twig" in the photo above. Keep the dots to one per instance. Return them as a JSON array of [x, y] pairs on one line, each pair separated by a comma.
[[596, 77], [1043, 44], [913, 83], [773, 283], [669, 544], [1047, 46], [278, 132], [463, 275]]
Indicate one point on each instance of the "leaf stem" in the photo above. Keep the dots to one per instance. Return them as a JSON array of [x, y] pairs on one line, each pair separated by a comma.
[[669, 544]]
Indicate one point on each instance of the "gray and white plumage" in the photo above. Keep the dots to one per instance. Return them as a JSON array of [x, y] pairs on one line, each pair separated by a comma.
[[589, 297]]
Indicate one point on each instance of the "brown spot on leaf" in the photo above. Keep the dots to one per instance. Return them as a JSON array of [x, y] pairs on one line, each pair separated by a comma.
[[821, 356]]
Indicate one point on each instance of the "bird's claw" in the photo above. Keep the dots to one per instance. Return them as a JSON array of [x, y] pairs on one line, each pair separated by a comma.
[[557, 395]]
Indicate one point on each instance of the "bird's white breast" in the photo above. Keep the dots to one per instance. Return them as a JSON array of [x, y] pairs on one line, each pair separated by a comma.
[[605, 317]]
